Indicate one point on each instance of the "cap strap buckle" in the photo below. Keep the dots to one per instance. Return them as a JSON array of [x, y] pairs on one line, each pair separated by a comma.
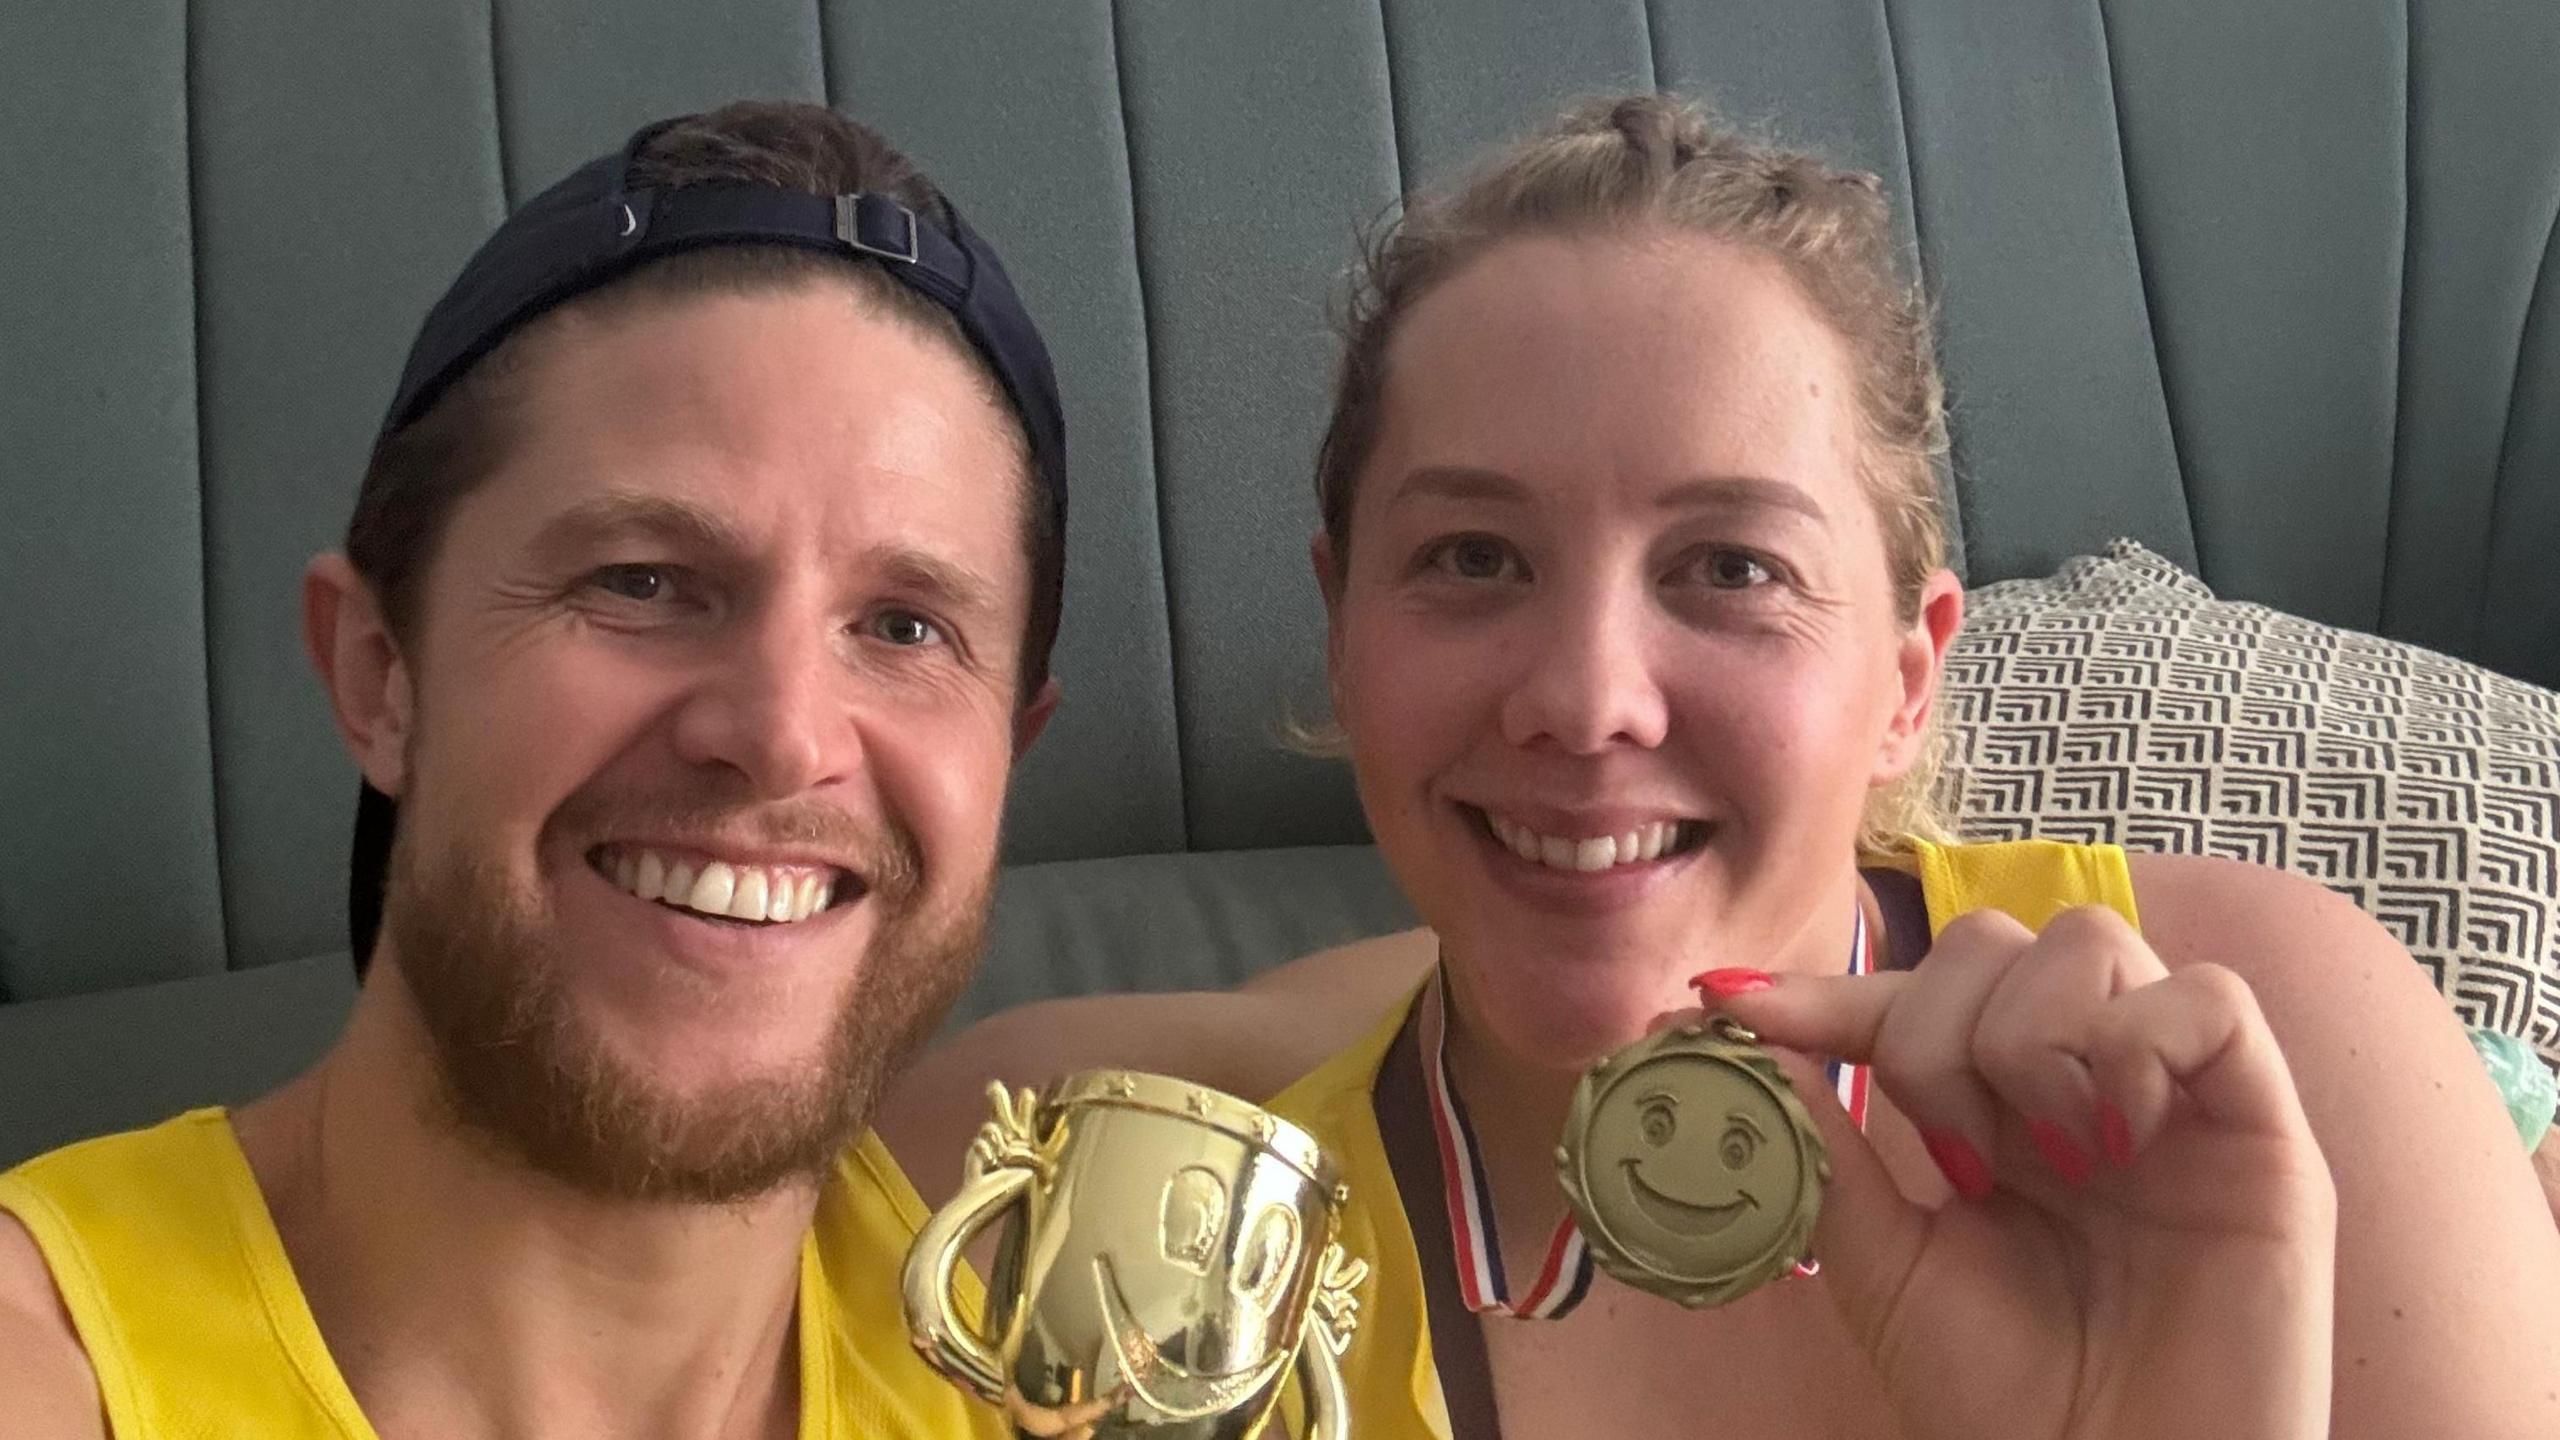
[[850, 227]]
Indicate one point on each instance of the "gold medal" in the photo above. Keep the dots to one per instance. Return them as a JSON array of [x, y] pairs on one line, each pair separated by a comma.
[[1694, 1170]]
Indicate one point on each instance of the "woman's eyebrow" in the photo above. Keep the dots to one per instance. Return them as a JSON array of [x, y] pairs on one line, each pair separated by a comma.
[[1457, 482], [1741, 492]]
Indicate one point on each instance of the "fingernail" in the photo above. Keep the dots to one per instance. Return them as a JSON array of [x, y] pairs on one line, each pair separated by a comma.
[[1959, 1162], [2061, 1152], [1727, 983], [2116, 1135]]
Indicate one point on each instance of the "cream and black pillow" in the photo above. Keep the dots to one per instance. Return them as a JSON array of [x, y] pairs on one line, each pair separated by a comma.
[[2120, 701]]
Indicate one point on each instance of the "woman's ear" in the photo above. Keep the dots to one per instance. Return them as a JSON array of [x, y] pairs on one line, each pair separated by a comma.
[[1328, 568], [1920, 663], [361, 666]]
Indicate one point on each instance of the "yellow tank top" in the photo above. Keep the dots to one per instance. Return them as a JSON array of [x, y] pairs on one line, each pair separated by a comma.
[[1388, 1371], [178, 1285]]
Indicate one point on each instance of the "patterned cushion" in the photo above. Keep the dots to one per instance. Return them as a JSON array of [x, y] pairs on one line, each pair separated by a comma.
[[2120, 701]]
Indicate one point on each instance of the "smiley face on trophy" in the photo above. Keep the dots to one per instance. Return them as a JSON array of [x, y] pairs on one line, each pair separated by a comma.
[[1167, 1258]]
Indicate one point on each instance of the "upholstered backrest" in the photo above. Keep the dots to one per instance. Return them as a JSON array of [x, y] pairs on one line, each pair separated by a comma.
[[2269, 286]]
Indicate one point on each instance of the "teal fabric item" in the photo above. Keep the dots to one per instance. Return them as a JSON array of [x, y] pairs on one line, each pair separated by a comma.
[[2523, 1081], [107, 842], [2271, 287]]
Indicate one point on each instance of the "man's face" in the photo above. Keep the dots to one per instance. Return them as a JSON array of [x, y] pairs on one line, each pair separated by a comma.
[[714, 702]]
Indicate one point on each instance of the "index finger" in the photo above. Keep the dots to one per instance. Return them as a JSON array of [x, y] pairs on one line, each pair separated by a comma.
[[1835, 1015]]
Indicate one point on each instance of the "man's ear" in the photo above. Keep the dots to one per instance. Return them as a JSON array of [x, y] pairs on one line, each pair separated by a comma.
[[1920, 663], [362, 668], [1033, 718]]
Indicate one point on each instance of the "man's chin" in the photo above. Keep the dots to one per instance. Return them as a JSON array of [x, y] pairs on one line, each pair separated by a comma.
[[631, 1102]]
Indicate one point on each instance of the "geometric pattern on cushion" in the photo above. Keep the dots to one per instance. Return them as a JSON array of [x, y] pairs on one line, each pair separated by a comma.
[[2119, 700]]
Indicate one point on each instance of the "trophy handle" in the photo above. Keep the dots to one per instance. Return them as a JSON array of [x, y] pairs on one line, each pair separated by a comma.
[[1003, 1165], [1329, 1326]]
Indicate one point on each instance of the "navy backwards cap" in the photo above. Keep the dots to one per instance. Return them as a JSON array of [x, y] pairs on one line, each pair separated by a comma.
[[594, 227]]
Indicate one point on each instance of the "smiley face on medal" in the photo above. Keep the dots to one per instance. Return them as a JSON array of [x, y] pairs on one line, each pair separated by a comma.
[[1695, 1171]]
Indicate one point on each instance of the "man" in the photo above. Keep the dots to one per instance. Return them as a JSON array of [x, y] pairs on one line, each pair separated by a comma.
[[696, 604]]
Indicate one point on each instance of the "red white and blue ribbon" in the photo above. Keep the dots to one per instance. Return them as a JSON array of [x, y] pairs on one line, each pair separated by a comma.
[[1564, 1274]]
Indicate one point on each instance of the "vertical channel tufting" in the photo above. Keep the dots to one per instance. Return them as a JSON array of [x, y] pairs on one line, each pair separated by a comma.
[[1182, 720], [2498, 649], [1396, 132], [828, 86], [1951, 477], [498, 108], [189, 59], [2400, 311], [1653, 41], [2133, 208]]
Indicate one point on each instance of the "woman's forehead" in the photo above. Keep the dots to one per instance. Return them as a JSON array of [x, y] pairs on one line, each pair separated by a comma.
[[1668, 362]]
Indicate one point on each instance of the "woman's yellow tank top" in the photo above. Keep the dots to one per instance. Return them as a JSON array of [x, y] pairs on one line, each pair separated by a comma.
[[1388, 1371], [169, 1264]]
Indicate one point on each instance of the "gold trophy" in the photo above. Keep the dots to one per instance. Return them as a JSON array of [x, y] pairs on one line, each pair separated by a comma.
[[1168, 1258]]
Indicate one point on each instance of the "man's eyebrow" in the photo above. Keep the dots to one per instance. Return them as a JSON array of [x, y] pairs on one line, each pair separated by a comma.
[[933, 578], [1741, 492], [619, 513]]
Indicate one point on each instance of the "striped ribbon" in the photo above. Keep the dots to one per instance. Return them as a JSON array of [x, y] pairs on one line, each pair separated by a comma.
[[1564, 1275]]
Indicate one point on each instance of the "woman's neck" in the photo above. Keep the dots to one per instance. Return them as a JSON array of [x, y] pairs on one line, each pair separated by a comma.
[[1516, 1106]]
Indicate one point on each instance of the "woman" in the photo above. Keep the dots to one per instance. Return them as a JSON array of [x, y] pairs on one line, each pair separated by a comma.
[[1638, 609]]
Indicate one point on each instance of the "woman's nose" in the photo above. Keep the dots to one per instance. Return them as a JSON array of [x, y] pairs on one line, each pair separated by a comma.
[[1587, 684]]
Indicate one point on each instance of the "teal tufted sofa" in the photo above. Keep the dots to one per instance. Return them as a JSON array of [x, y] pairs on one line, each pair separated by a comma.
[[2271, 287]]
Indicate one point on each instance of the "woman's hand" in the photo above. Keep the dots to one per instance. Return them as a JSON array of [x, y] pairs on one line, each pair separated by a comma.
[[2143, 1243]]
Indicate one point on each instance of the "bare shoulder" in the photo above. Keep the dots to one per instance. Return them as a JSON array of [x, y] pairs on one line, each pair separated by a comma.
[[2442, 1227], [53, 1394], [1251, 1041]]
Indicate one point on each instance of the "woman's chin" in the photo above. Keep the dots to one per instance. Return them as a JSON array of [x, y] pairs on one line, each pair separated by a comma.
[[1565, 1018]]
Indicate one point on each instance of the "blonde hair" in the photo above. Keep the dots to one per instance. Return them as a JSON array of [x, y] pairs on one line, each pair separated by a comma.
[[1651, 160]]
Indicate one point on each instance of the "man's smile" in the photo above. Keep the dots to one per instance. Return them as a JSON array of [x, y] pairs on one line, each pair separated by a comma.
[[776, 894]]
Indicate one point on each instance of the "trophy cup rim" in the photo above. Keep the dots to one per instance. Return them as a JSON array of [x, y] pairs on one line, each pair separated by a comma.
[[1184, 1100]]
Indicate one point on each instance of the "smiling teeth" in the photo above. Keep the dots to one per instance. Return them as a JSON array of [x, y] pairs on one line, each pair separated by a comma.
[[1645, 842], [770, 894]]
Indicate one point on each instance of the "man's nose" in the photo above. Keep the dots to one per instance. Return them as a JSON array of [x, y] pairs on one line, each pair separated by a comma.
[[1586, 684], [776, 706]]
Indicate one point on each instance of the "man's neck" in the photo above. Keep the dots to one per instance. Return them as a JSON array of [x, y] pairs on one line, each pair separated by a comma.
[[463, 1294]]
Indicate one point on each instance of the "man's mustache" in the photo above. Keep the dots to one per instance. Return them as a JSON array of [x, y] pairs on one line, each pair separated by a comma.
[[882, 856]]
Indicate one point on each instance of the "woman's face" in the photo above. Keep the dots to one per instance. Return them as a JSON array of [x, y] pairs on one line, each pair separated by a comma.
[[1614, 641]]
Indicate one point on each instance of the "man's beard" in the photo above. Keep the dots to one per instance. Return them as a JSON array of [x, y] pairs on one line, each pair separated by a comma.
[[519, 1065]]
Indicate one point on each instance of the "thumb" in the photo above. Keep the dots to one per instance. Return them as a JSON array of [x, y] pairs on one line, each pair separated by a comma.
[[1869, 1237]]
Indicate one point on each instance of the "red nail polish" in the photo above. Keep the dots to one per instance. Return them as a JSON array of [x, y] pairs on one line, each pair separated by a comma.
[[2061, 1152], [1959, 1162], [2116, 1135], [1727, 983]]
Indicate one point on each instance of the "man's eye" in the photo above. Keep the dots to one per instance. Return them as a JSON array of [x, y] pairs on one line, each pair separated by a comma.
[[904, 628], [1476, 557], [637, 583]]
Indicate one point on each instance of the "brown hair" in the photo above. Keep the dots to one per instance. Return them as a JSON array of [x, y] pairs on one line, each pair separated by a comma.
[[1651, 161], [418, 472]]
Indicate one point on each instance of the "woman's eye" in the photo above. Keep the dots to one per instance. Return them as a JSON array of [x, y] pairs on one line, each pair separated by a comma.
[[1738, 1148], [1658, 1124], [1476, 557], [904, 628], [639, 584], [1734, 570]]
